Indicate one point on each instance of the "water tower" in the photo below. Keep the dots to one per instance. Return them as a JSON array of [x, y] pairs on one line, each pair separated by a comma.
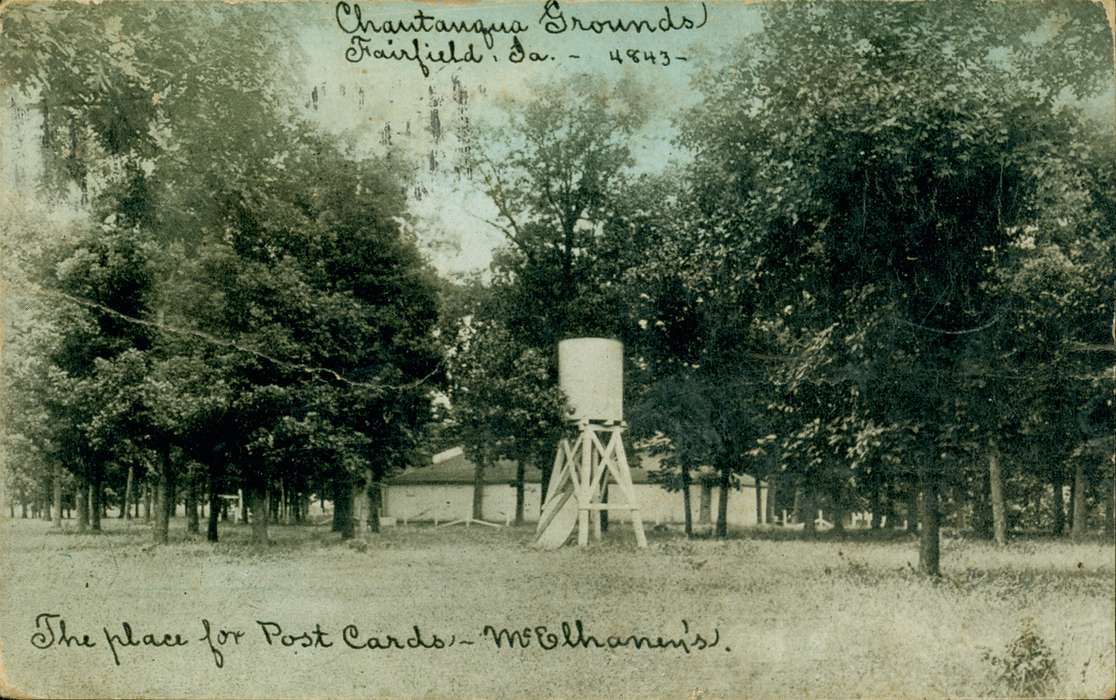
[[591, 455]]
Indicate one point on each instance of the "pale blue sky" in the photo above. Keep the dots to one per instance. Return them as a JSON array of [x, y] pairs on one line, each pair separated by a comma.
[[396, 93], [361, 100]]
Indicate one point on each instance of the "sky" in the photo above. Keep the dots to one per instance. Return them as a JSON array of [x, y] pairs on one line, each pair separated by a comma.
[[366, 100], [363, 100], [373, 102]]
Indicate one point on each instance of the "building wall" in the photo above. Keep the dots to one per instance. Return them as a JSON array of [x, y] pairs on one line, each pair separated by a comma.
[[446, 502], [657, 505]]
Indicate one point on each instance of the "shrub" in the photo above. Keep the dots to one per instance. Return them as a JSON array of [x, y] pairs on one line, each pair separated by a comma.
[[1027, 667]]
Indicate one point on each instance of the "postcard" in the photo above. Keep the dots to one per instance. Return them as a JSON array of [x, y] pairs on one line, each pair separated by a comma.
[[556, 349]]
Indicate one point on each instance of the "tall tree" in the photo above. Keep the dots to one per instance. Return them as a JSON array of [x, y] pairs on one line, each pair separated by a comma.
[[870, 159], [554, 172], [503, 404]]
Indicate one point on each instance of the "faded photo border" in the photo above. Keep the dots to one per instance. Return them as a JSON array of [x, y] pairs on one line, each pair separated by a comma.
[[282, 287]]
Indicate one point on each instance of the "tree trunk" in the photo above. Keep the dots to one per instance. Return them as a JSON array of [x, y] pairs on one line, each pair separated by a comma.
[[82, 504], [192, 525], [273, 502], [722, 501], [214, 503], [56, 487], [1057, 504], [124, 511], [478, 490], [172, 501], [929, 548], [772, 495], [982, 506], [687, 513], [996, 484], [146, 500], [958, 506], [276, 491], [796, 506], [97, 497], [838, 498], [808, 509], [887, 494], [1109, 496], [838, 516], [343, 507], [1080, 513], [163, 501], [874, 503], [289, 516], [373, 507], [520, 478], [1025, 506], [759, 501], [338, 511], [258, 511], [912, 508]]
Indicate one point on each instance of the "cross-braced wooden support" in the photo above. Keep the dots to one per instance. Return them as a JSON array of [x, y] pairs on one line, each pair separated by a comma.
[[583, 467]]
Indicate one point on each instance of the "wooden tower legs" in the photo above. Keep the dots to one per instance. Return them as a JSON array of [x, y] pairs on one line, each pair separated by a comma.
[[575, 496]]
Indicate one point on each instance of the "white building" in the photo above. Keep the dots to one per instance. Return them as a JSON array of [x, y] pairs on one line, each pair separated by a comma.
[[443, 491]]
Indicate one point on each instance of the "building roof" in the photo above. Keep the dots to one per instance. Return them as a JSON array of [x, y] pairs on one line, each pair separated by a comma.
[[459, 470]]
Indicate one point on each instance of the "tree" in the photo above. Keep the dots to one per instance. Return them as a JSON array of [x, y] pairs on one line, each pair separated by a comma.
[[503, 404], [876, 185], [554, 173], [135, 118], [329, 312], [289, 321], [693, 342]]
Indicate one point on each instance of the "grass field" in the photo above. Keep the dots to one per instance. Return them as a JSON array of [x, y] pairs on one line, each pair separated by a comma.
[[827, 618]]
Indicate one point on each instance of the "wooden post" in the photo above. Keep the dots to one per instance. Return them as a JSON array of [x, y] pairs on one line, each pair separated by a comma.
[[595, 466], [581, 471], [585, 473]]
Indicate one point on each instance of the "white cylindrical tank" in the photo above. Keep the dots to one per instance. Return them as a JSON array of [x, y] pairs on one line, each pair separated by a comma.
[[591, 374]]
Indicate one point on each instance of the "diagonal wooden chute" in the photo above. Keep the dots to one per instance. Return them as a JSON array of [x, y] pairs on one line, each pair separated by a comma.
[[559, 514]]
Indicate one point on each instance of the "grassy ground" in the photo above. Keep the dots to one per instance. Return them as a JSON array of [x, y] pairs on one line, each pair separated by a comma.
[[828, 618]]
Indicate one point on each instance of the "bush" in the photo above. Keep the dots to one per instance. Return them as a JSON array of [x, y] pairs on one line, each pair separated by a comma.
[[1027, 667]]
